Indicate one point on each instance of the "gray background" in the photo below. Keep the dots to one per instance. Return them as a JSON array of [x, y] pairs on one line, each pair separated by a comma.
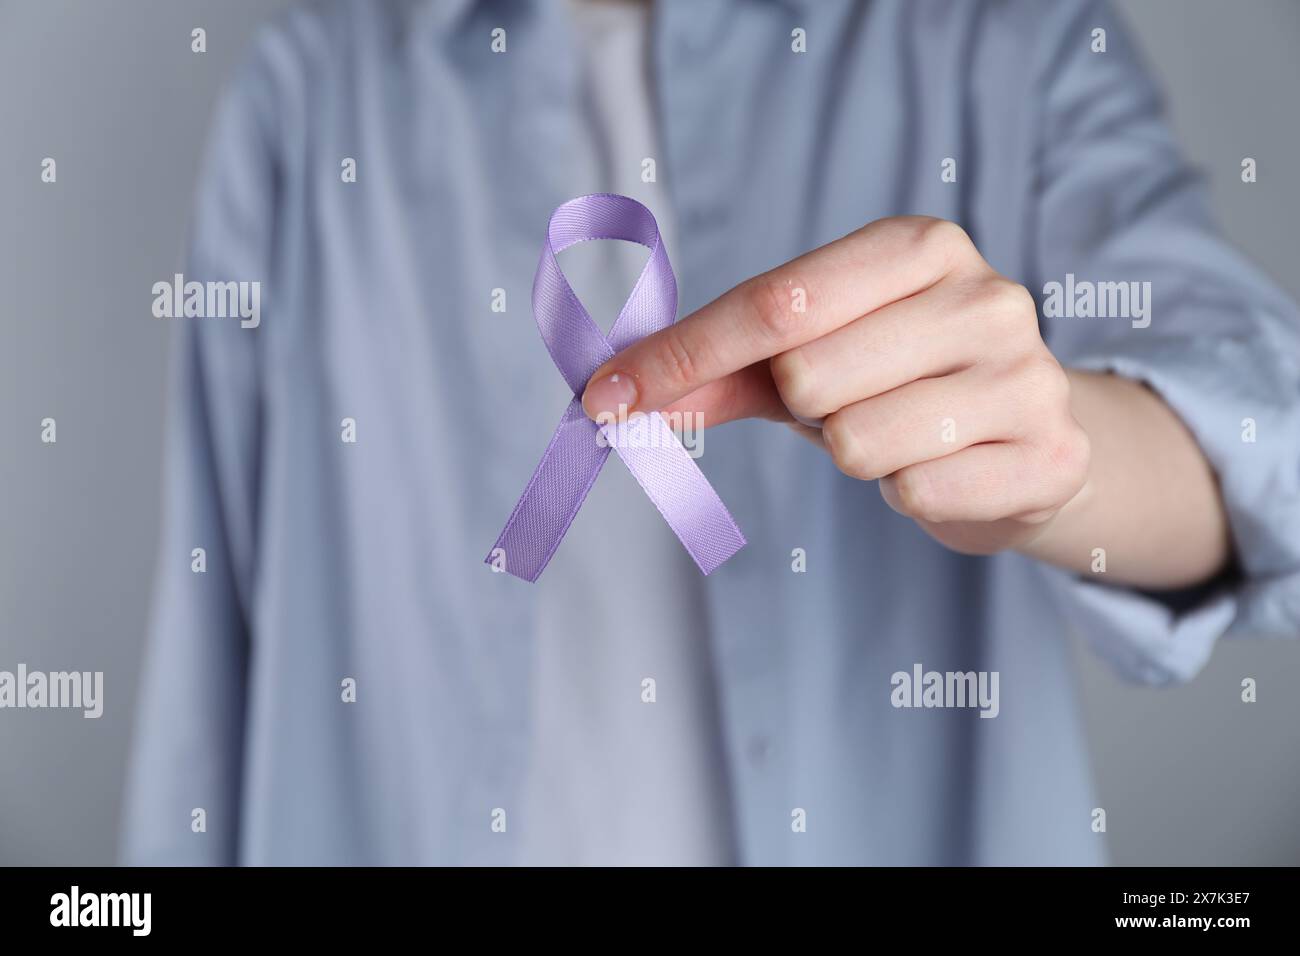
[[111, 91]]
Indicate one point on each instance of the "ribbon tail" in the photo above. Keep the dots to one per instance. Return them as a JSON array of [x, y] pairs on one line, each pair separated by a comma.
[[671, 479], [552, 497]]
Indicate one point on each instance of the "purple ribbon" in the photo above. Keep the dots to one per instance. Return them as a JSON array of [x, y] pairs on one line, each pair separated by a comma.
[[647, 445]]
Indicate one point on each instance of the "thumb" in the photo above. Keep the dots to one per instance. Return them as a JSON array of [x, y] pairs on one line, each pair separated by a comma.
[[748, 393]]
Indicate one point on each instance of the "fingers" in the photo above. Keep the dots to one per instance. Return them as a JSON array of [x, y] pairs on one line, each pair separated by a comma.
[[793, 304], [926, 419], [990, 482], [936, 332], [749, 393]]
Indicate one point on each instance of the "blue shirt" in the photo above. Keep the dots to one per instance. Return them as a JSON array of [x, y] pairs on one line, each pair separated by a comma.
[[330, 560]]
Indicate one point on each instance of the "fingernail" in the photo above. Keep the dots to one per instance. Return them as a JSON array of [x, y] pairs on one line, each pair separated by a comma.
[[608, 394]]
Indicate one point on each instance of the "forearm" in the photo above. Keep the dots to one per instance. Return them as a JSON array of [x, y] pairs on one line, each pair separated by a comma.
[[1151, 499]]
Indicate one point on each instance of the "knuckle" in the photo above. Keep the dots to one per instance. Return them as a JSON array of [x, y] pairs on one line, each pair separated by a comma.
[[943, 237], [795, 383], [1040, 382], [1004, 300], [916, 496], [1050, 382], [677, 363], [846, 451], [1069, 451], [771, 307]]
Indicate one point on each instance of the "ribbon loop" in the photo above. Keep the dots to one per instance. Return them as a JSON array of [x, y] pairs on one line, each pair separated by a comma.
[[647, 445]]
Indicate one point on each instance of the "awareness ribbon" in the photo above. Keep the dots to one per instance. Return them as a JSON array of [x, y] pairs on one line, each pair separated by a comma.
[[647, 445]]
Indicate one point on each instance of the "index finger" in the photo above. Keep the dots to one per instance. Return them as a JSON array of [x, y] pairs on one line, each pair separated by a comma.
[[794, 303]]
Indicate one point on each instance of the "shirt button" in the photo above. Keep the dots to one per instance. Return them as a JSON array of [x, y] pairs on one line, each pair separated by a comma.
[[757, 750]]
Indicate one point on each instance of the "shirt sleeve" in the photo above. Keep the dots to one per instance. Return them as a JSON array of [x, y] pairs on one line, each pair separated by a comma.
[[188, 747], [1220, 343]]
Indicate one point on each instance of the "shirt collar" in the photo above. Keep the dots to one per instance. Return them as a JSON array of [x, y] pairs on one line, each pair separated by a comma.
[[443, 16]]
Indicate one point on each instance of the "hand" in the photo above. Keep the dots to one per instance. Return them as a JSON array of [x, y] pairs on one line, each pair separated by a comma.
[[922, 366]]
